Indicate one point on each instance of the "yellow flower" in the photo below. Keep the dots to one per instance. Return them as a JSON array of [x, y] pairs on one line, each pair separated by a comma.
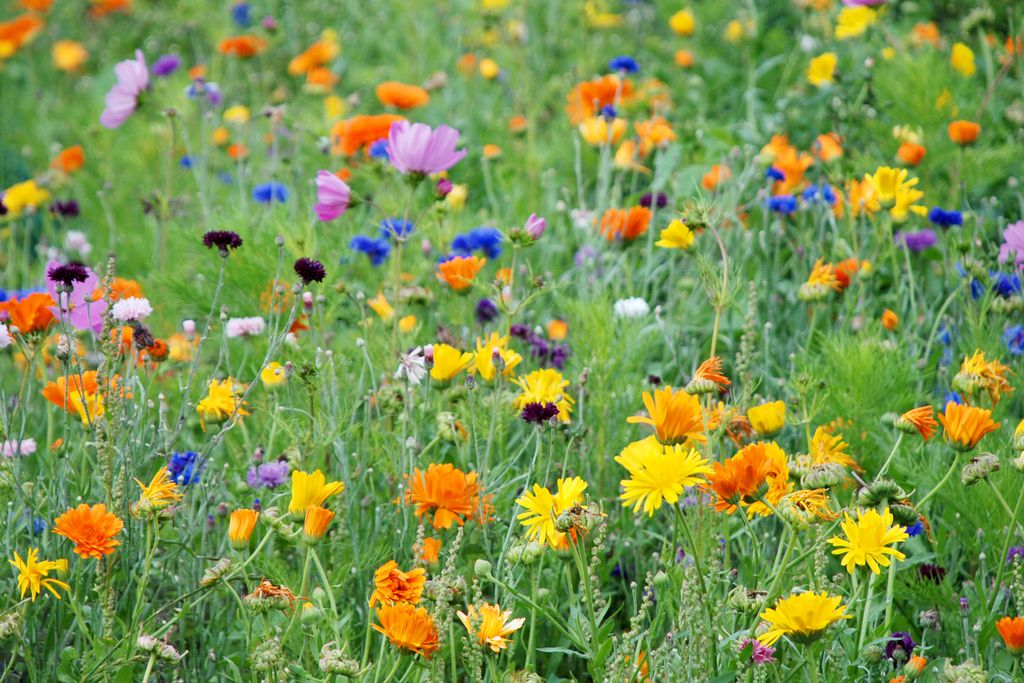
[[683, 22], [676, 236], [33, 574], [483, 361], [868, 540], [597, 18], [828, 447], [904, 203], [221, 402], [675, 415], [978, 374], [659, 474], [807, 505], [802, 617], [889, 182], [489, 68], [545, 386], [456, 199], [236, 114], [273, 375], [24, 195], [490, 625], [161, 492], [822, 69], [448, 362], [854, 21], [962, 59], [310, 489], [381, 307], [767, 419], [240, 527], [87, 406], [69, 55], [407, 323], [596, 131], [735, 30], [542, 508], [820, 283], [334, 107]]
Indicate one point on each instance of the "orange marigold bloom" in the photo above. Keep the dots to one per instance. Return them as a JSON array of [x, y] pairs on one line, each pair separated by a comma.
[[17, 32], [408, 628], [392, 585], [59, 391], [30, 314], [517, 124], [708, 377], [91, 529], [431, 550], [360, 132], [1012, 631], [625, 224], [459, 271], [926, 33], [315, 56], [964, 132], [316, 522], [890, 320], [964, 426], [243, 47], [845, 270], [675, 415], [757, 471], [321, 80], [447, 493], [911, 153], [588, 98], [401, 95], [978, 374], [713, 178], [921, 420], [684, 59], [793, 164], [36, 5], [828, 147], [101, 8], [69, 160]]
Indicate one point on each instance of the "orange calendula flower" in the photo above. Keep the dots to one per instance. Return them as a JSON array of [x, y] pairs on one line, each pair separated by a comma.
[[159, 493], [243, 47], [315, 525], [708, 378], [240, 527], [820, 283], [845, 270], [360, 132], [101, 8], [828, 446], [431, 550], [446, 495], [890, 320], [964, 132], [490, 625], [17, 32], [978, 374], [28, 314], [964, 426], [715, 177], [408, 628], [458, 272], [77, 394], [402, 95], [828, 147], [91, 529], [589, 97], [625, 224], [69, 160], [911, 153], [316, 55], [757, 471], [920, 420], [1011, 630], [675, 415], [392, 585]]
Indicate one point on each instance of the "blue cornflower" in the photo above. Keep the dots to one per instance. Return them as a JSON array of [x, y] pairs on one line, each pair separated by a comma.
[[915, 529], [952, 396], [485, 239], [608, 112], [1005, 284], [784, 204], [379, 150], [39, 525], [376, 249], [184, 468], [1013, 336], [773, 173], [814, 194], [945, 219], [240, 14], [268, 193], [186, 161], [623, 63], [395, 227]]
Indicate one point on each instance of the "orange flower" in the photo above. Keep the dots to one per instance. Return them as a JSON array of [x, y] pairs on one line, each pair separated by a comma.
[[431, 550], [921, 419], [401, 95], [448, 493], [713, 178], [964, 132], [845, 270], [978, 374], [243, 47], [30, 314], [36, 5], [684, 59], [392, 585], [1012, 631], [14, 34], [240, 527], [757, 471], [793, 164], [675, 415], [911, 153], [708, 377], [459, 271], [360, 132], [315, 56], [91, 529], [320, 80], [828, 147], [625, 224], [408, 628], [60, 391], [588, 98], [517, 124], [317, 520], [964, 426], [69, 160], [890, 320], [558, 330], [101, 8], [926, 33]]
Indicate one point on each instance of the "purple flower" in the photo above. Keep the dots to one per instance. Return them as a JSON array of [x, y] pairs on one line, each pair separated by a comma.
[[417, 148], [899, 648], [535, 226], [915, 241], [269, 474], [759, 654], [165, 65], [1013, 243], [538, 413], [486, 311], [121, 101], [1015, 552], [77, 308], [332, 196], [444, 186]]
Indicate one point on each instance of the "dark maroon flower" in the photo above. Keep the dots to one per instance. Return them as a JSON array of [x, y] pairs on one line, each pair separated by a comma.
[[899, 648], [68, 274], [486, 311], [931, 572], [309, 270], [223, 240], [538, 413], [659, 199], [65, 208]]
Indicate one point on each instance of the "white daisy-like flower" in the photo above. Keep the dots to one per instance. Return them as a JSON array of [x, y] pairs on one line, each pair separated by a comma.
[[634, 307], [5, 337], [412, 366], [132, 308], [246, 327]]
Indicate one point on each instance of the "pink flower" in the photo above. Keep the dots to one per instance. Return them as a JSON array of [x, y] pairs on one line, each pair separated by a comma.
[[77, 308], [417, 148], [123, 98], [535, 226], [760, 654], [131, 309], [332, 196], [245, 327], [12, 448], [1013, 242]]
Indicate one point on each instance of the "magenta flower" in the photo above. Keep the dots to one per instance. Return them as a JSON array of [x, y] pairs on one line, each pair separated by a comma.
[[417, 148], [1013, 243], [123, 98], [535, 226], [77, 308], [332, 196]]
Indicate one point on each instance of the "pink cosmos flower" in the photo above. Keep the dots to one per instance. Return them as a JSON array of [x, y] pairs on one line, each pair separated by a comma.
[[535, 226], [1013, 242], [78, 308], [416, 148], [332, 196], [245, 327], [13, 447], [132, 308], [123, 98]]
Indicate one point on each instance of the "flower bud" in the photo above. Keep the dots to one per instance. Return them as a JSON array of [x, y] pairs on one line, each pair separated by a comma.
[[979, 468], [482, 569]]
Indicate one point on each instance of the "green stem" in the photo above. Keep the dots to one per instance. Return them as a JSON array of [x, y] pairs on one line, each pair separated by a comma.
[[149, 667], [892, 454], [1001, 560], [942, 482], [866, 613]]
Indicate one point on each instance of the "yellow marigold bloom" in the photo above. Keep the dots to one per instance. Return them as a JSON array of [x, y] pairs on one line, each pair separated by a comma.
[[736, 30], [543, 507], [869, 540], [310, 489], [659, 474], [962, 59], [33, 574], [316, 522], [862, 197], [889, 182], [379, 304], [490, 625], [828, 446], [240, 527], [676, 236], [448, 362], [407, 323], [69, 55], [489, 68], [767, 419], [456, 199], [978, 374], [802, 617], [675, 415], [822, 69], [854, 21], [683, 22], [905, 203], [273, 375], [483, 360], [596, 131], [408, 627], [598, 18], [806, 506], [820, 283], [161, 492], [236, 114], [221, 402], [543, 387], [964, 426], [24, 196]]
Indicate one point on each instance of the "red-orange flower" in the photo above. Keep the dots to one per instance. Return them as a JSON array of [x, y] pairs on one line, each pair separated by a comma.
[[242, 46], [921, 420], [447, 493], [30, 314], [587, 98], [911, 153], [459, 271], [964, 132], [708, 377], [91, 529], [1012, 631], [401, 95], [101, 8], [69, 160], [625, 224], [845, 270], [360, 132], [17, 32], [756, 471], [717, 175], [409, 628], [392, 585]]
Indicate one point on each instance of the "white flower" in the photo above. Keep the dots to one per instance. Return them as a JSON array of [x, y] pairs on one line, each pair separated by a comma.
[[5, 337], [131, 308], [634, 307], [13, 447], [76, 241], [246, 327], [412, 366], [582, 219]]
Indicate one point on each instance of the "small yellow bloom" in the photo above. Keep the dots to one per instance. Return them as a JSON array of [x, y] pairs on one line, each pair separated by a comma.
[[222, 401], [683, 22], [381, 307], [734, 31], [888, 53], [869, 540], [161, 492], [543, 507], [456, 199], [659, 474], [33, 574], [962, 59], [490, 625], [237, 114], [803, 617], [310, 489], [822, 69], [489, 68], [545, 386], [334, 107], [596, 131], [484, 359], [448, 362], [767, 419], [24, 196], [69, 55], [676, 236], [220, 136], [854, 21], [273, 375], [407, 324]]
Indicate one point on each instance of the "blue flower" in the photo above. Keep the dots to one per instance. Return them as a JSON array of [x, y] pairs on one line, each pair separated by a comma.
[[39, 525], [952, 396], [1005, 284], [773, 173], [184, 468], [379, 150], [376, 249], [815, 194], [608, 112], [186, 161], [1014, 338], [240, 14], [915, 529], [268, 193], [395, 227], [784, 204], [485, 239], [623, 63], [945, 219]]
